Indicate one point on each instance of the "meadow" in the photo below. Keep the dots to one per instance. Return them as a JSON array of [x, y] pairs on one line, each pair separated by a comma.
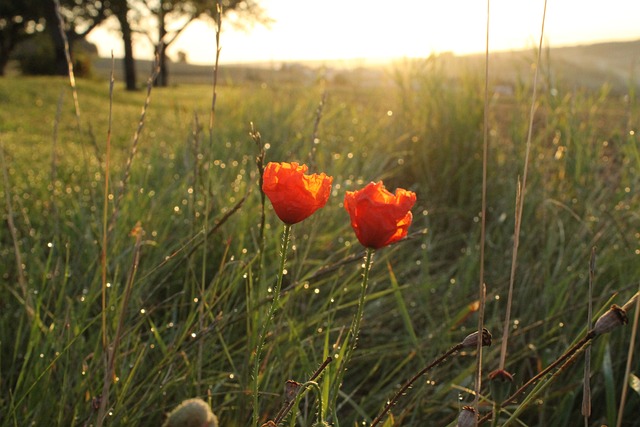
[[186, 249]]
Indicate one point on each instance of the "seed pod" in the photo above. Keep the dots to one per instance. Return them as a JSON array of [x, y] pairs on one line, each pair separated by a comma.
[[471, 340], [613, 318], [467, 417], [192, 413], [500, 385]]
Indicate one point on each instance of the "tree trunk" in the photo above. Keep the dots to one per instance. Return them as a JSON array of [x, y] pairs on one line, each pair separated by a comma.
[[53, 24], [163, 72], [129, 61], [5, 51], [9, 37], [163, 75]]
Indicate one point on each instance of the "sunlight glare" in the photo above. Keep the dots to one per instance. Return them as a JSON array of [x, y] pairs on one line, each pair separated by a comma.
[[361, 30]]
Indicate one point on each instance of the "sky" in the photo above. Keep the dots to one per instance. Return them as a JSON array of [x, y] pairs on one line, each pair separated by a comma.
[[383, 29]]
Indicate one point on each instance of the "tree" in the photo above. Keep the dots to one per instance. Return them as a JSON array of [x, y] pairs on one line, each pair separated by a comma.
[[120, 9], [19, 20], [171, 18], [79, 19]]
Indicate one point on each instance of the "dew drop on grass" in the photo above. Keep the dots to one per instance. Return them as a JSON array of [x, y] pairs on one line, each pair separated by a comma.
[[316, 291]]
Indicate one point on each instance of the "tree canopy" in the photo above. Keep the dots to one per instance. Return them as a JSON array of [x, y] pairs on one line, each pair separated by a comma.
[[160, 21]]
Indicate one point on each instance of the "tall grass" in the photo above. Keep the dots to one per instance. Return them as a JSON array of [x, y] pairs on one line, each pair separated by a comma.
[[423, 133]]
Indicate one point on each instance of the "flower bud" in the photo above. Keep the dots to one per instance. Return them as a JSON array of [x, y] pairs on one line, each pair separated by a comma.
[[291, 390], [471, 340], [613, 318], [191, 413], [500, 382], [467, 417]]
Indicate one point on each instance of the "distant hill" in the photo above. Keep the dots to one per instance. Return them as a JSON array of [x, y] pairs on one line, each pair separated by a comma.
[[588, 66]]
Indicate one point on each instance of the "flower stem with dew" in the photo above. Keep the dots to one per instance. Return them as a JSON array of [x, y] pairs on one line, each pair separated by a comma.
[[578, 346], [287, 407], [586, 386], [112, 351], [354, 330], [413, 379], [265, 326], [520, 198], [304, 388]]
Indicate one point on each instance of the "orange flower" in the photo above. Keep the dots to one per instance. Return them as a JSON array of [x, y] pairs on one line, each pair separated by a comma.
[[379, 217], [294, 195]]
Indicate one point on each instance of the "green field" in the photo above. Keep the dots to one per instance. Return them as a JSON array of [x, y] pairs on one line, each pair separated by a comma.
[[186, 300]]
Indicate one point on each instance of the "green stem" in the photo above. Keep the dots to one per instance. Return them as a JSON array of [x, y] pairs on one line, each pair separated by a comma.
[[267, 324], [303, 389], [354, 330], [413, 379], [496, 413]]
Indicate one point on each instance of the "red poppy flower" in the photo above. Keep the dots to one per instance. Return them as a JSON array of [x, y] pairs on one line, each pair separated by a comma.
[[379, 217], [294, 195]]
